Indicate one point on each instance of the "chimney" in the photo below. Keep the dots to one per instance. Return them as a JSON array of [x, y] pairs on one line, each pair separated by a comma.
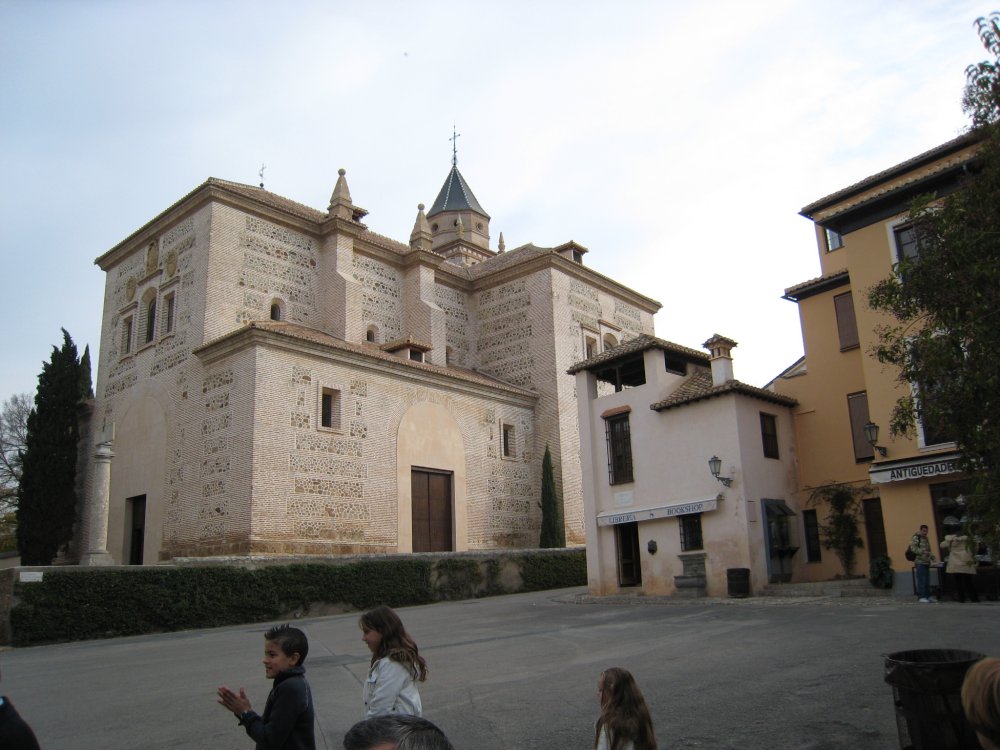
[[720, 349]]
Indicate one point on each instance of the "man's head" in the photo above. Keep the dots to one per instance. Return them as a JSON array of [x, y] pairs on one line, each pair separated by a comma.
[[923, 529], [396, 732]]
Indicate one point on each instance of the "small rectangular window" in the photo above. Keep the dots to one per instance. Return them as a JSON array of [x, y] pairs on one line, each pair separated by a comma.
[[833, 240], [847, 324], [508, 441], [127, 335], [168, 318], [811, 522], [934, 429], [691, 532], [590, 347], [619, 449], [416, 355], [857, 409], [906, 242], [330, 409], [769, 435], [674, 363]]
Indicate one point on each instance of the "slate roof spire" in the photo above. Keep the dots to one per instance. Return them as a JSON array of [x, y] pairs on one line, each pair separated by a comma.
[[460, 228], [455, 195]]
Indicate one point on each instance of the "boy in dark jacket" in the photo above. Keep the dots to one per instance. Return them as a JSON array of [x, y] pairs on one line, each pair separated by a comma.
[[288, 719]]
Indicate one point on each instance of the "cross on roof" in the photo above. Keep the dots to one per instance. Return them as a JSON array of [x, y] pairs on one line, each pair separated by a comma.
[[454, 143]]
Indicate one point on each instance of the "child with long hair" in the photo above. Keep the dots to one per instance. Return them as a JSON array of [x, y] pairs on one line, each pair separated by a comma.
[[624, 723], [396, 665]]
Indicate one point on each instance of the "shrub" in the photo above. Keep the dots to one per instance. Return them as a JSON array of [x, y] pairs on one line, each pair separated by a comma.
[[880, 572], [72, 605]]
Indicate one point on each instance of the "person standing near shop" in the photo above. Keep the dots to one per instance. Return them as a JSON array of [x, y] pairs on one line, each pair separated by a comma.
[[921, 547], [961, 565]]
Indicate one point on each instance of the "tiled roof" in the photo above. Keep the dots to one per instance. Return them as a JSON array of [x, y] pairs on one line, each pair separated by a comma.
[[698, 387], [956, 144], [819, 284], [640, 343], [456, 195], [271, 199], [304, 333], [505, 260]]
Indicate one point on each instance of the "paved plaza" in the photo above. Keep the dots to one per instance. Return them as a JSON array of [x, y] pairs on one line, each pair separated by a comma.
[[520, 672]]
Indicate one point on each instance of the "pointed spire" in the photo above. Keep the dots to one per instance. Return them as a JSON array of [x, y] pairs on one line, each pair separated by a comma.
[[501, 245], [420, 237], [340, 202]]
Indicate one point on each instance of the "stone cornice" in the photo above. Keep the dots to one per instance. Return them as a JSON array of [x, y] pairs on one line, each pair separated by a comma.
[[370, 360], [570, 268], [207, 192]]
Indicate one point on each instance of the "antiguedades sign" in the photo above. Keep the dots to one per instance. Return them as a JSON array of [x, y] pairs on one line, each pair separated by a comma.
[[923, 470]]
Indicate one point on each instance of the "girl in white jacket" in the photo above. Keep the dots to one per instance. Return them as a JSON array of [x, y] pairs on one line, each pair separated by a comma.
[[396, 665], [624, 723]]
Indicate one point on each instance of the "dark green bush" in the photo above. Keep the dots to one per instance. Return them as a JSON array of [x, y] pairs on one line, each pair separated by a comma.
[[540, 572], [95, 603], [69, 606]]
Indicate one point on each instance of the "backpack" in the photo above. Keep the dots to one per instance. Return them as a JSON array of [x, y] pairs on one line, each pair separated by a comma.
[[910, 554]]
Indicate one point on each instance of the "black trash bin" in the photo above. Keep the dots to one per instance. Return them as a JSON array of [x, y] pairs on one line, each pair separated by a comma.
[[927, 691], [738, 582]]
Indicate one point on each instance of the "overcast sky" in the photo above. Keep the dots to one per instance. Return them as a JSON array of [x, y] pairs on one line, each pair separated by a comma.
[[675, 139]]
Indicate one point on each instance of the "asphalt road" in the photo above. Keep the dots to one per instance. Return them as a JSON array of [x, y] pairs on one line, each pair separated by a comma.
[[520, 672]]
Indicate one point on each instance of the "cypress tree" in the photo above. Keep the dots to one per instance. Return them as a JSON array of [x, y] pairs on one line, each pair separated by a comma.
[[46, 507], [553, 534]]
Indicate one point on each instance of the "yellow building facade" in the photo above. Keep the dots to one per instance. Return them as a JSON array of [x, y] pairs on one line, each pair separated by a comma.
[[839, 385]]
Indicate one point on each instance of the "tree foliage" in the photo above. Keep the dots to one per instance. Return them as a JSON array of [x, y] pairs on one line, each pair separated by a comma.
[[943, 303], [553, 534], [46, 501], [839, 529], [13, 429]]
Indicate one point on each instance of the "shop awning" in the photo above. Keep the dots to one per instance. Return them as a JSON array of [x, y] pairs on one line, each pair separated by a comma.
[[631, 515]]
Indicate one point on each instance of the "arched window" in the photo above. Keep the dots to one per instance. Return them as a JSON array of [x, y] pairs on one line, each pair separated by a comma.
[[371, 335], [147, 317], [276, 310], [609, 341], [151, 320]]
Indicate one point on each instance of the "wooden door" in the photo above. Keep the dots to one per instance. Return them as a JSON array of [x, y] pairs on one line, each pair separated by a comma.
[[627, 542], [874, 528], [430, 498]]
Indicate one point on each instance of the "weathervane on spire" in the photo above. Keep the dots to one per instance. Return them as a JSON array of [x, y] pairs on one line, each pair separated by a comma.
[[261, 173], [454, 144]]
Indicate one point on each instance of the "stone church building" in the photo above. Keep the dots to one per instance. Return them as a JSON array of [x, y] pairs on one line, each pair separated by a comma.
[[276, 379]]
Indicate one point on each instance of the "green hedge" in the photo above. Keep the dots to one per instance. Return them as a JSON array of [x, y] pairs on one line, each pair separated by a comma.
[[83, 604], [541, 572]]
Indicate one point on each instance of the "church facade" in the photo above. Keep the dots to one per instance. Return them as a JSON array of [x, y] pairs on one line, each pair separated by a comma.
[[276, 379]]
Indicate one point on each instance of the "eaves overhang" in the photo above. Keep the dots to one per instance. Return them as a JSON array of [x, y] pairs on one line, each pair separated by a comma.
[[816, 286], [938, 171], [910, 165], [637, 345], [735, 387]]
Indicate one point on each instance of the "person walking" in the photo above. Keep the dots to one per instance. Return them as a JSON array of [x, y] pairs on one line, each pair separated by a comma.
[[396, 665], [921, 548]]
